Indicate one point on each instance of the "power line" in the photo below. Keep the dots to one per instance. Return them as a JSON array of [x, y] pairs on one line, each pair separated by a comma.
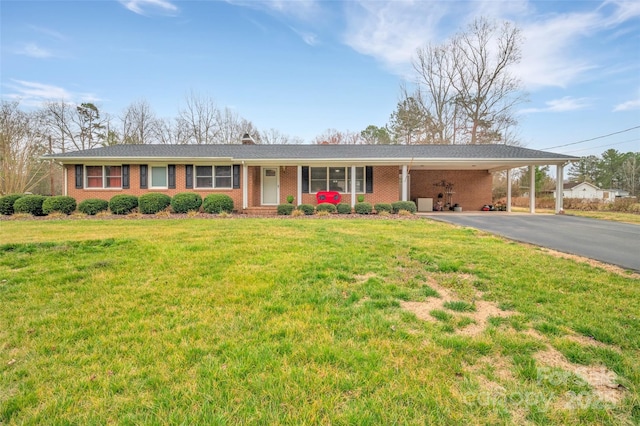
[[601, 146], [593, 139]]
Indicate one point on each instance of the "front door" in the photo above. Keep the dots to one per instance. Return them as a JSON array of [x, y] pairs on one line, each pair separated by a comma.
[[270, 192]]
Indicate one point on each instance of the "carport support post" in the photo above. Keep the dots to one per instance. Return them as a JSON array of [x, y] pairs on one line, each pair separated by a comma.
[[532, 189], [509, 190], [559, 187], [404, 182], [353, 186]]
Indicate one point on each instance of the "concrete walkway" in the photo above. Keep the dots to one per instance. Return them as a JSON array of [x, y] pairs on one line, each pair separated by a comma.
[[610, 242]]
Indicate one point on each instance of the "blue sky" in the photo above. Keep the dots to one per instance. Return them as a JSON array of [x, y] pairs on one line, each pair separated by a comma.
[[306, 66]]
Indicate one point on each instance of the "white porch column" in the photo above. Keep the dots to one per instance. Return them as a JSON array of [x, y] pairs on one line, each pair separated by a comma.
[[66, 180], [559, 187], [299, 195], [245, 186], [353, 186], [532, 189], [404, 183], [509, 190]]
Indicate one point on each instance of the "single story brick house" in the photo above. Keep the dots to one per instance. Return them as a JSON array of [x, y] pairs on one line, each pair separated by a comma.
[[259, 177]]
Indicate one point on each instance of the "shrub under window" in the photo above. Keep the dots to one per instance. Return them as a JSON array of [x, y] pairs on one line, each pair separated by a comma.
[[92, 206], [409, 206], [383, 207], [153, 203], [123, 203], [217, 203], [31, 204], [285, 209], [307, 209], [59, 203], [6, 203], [186, 202], [363, 208], [326, 207], [343, 208]]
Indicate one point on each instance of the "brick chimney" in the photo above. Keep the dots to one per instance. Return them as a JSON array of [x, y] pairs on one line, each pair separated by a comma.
[[248, 140]]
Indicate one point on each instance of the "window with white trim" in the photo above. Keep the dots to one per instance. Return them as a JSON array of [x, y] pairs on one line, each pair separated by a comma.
[[335, 179], [223, 176], [159, 177], [103, 177], [213, 177]]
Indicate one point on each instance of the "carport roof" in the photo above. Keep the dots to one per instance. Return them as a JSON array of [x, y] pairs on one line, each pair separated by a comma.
[[458, 156]]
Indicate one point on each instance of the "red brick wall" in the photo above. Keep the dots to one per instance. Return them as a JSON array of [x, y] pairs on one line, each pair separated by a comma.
[[134, 187], [288, 183], [472, 187]]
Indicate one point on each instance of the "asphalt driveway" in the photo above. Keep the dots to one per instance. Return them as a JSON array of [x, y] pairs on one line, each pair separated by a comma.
[[610, 242]]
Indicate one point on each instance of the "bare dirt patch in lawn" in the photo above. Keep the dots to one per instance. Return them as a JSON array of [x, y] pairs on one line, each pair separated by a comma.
[[603, 381], [483, 309]]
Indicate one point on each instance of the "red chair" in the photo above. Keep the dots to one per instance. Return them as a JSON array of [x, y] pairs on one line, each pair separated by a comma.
[[332, 197]]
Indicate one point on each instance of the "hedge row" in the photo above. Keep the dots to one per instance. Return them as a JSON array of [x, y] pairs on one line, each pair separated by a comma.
[[121, 204], [343, 208]]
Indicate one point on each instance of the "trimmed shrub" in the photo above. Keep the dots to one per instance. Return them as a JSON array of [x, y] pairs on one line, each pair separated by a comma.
[[123, 203], [343, 208], [186, 202], [92, 206], [59, 203], [29, 204], [326, 207], [409, 206], [6, 203], [383, 207], [286, 209], [153, 202], [217, 203], [307, 209], [363, 208]]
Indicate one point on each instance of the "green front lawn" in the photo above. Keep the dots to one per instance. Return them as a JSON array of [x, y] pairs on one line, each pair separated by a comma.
[[305, 321]]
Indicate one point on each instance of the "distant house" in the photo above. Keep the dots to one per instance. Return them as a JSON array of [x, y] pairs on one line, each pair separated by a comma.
[[588, 191], [259, 177]]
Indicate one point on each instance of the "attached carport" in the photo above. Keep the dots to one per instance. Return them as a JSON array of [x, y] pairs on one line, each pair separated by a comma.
[[492, 159]]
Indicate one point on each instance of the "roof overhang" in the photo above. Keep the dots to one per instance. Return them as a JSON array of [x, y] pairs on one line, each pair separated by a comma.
[[490, 164]]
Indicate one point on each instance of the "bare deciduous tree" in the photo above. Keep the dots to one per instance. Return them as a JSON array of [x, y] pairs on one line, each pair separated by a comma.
[[276, 137], [21, 144], [139, 124], [465, 85], [199, 120], [434, 65], [485, 91]]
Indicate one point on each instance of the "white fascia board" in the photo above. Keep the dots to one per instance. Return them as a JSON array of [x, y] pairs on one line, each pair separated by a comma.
[[141, 160]]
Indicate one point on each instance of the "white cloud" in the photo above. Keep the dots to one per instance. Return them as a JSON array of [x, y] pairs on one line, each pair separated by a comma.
[[48, 32], [34, 51], [310, 38], [34, 94], [627, 106], [564, 104], [305, 10], [141, 7], [391, 32]]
